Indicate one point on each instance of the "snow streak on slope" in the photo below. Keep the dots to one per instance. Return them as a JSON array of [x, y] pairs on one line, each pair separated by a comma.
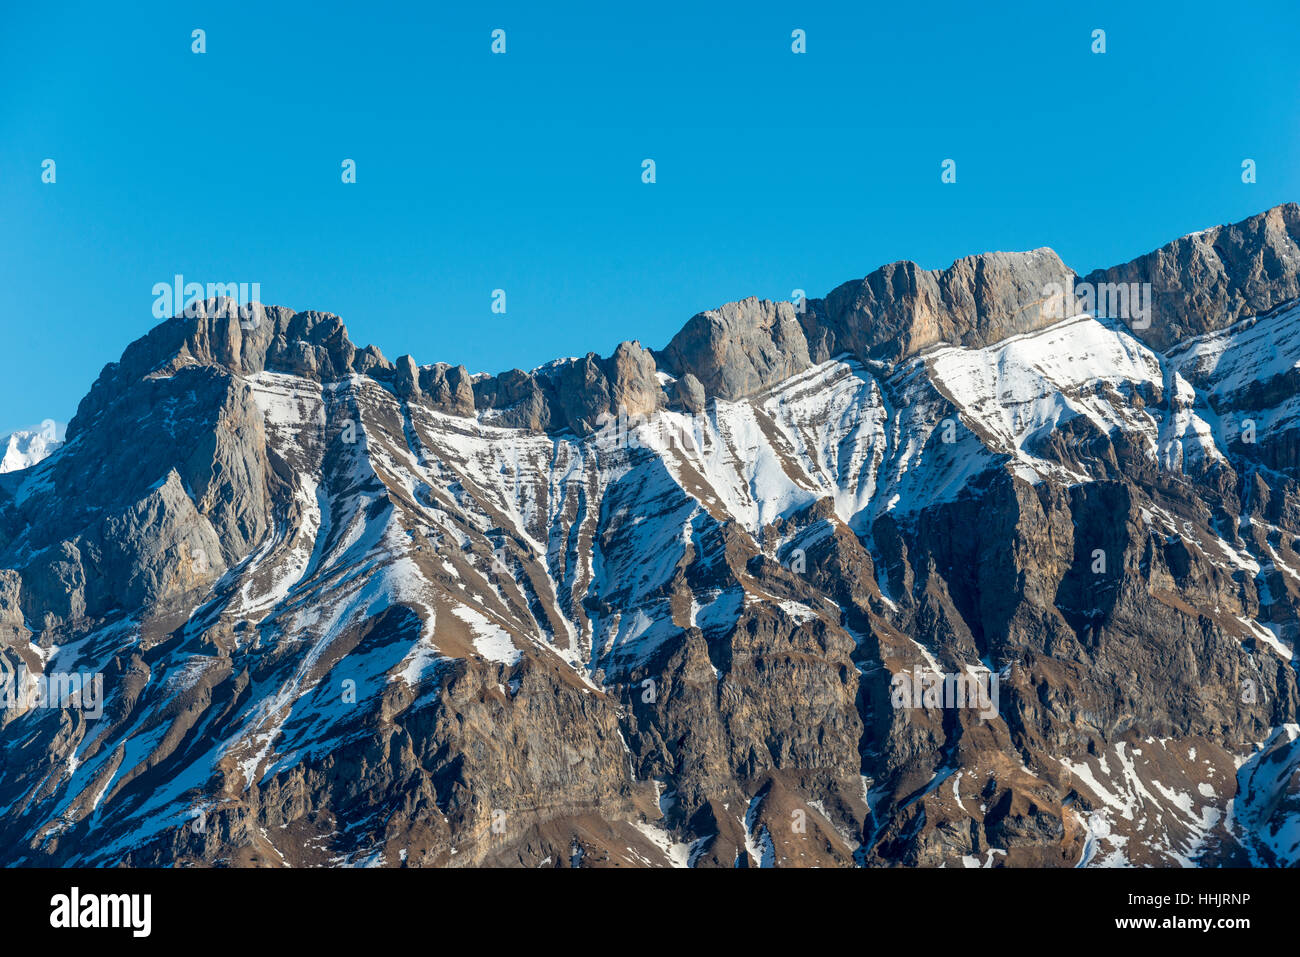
[[1248, 374], [1019, 392], [1234, 360]]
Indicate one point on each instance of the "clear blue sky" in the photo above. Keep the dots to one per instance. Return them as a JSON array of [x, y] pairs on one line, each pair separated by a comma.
[[523, 171]]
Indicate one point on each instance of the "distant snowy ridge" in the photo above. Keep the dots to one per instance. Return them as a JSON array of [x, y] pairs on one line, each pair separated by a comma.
[[24, 448]]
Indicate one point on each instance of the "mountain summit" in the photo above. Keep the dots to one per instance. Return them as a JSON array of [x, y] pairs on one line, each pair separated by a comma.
[[23, 448], [940, 569]]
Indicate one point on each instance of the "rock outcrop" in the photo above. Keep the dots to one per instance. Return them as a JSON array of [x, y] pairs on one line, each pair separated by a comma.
[[1213, 278]]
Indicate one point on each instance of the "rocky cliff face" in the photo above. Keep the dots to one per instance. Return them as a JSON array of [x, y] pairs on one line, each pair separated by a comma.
[[709, 606], [1211, 279]]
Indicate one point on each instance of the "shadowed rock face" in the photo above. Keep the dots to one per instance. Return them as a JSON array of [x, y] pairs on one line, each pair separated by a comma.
[[1212, 279], [574, 394], [348, 610]]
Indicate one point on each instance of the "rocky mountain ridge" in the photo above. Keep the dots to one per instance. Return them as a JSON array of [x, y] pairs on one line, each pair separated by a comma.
[[651, 609], [1203, 282]]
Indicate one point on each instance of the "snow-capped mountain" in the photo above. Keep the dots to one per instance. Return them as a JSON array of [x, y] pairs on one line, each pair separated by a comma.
[[23, 448], [657, 608]]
